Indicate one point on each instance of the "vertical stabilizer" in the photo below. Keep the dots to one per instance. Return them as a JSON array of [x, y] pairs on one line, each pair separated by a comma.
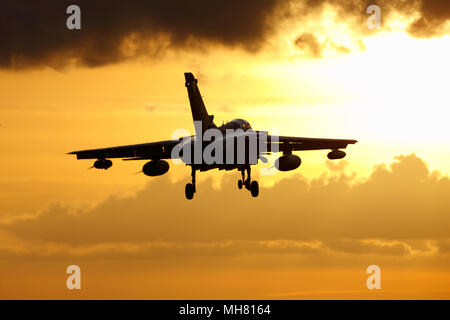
[[198, 109]]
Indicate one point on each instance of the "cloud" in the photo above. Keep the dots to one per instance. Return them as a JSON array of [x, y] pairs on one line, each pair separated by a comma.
[[434, 17], [308, 42], [425, 19], [400, 210], [299, 239], [338, 166], [429, 17], [34, 33], [312, 47]]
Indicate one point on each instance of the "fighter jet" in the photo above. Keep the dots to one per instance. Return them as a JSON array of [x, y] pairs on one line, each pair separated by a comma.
[[231, 146]]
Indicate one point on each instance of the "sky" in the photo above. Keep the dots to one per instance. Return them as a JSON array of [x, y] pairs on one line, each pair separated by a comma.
[[297, 68]]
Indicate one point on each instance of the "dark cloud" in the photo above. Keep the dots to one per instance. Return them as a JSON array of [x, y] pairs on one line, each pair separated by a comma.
[[34, 32], [434, 15]]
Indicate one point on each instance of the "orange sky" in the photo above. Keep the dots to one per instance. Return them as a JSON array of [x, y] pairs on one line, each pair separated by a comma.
[[310, 234]]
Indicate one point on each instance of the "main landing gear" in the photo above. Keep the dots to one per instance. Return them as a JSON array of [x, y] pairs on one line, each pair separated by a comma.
[[189, 190], [253, 186]]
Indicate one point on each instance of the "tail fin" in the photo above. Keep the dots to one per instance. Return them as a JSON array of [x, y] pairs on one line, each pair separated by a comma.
[[198, 109]]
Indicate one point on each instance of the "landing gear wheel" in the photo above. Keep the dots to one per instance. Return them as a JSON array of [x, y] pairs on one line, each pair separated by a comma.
[[254, 188], [189, 191], [247, 184], [240, 184]]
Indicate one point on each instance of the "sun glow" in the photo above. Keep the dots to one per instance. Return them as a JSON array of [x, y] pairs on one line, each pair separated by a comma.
[[393, 90]]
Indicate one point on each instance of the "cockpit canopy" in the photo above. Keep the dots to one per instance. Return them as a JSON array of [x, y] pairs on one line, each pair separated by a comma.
[[239, 124]]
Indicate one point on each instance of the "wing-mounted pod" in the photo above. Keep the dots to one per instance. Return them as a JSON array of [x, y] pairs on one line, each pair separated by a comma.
[[288, 162], [155, 168], [336, 154], [103, 164]]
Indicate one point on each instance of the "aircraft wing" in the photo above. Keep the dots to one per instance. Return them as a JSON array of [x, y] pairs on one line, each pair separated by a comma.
[[299, 143], [152, 150], [163, 149]]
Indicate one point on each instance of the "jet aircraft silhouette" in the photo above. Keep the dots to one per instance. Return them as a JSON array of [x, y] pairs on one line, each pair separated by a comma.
[[234, 145]]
